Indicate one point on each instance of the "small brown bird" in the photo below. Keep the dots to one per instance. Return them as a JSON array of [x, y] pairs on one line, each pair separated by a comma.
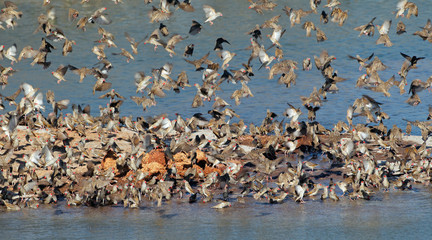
[[307, 64], [134, 44], [99, 18], [27, 52], [400, 28], [309, 26], [320, 35], [67, 46], [60, 72], [188, 50], [82, 72], [361, 61], [155, 39], [73, 14], [101, 85], [81, 24], [126, 54], [403, 5], [186, 6], [176, 38], [112, 95], [383, 31], [163, 29], [324, 17], [367, 29], [429, 117]]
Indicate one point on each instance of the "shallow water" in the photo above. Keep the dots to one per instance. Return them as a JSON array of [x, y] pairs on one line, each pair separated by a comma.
[[394, 215]]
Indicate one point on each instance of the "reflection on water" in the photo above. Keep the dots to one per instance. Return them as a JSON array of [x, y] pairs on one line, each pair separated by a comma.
[[390, 215]]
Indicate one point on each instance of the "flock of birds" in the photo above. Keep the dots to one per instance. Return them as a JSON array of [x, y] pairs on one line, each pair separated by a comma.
[[371, 156]]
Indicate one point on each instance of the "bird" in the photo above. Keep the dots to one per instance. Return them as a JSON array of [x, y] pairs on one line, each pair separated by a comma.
[[99, 18], [307, 64], [195, 28], [60, 72], [361, 61], [73, 14], [310, 165], [211, 14], [320, 35], [10, 53], [133, 44], [309, 26], [176, 38], [126, 54], [400, 28], [383, 31], [403, 5], [264, 58], [163, 29], [226, 56], [222, 204], [218, 45], [188, 52], [367, 29]]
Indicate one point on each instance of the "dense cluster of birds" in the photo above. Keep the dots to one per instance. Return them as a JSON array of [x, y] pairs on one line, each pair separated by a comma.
[[41, 155]]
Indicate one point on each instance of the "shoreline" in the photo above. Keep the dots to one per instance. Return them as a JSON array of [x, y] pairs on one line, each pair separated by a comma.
[[96, 169]]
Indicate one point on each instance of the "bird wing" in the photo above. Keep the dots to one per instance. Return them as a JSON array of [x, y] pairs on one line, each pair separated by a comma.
[[209, 11]]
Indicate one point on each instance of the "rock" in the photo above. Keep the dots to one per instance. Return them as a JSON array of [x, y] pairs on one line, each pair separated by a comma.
[[181, 159], [155, 162], [155, 155], [154, 168], [109, 161]]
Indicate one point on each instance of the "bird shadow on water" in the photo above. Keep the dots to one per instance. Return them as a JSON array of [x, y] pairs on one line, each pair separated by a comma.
[[263, 214], [169, 216]]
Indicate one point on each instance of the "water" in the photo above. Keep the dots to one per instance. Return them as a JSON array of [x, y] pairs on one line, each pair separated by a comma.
[[390, 215], [232, 26], [394, 215]]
